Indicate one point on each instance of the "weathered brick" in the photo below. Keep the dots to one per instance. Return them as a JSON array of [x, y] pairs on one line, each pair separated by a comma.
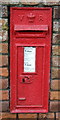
[[52, 2], [55, 73], [0, 106], [4, 35], [5, 95], [56, 38], [45, 116], [42, 116], [56, 26], [0, 10], [1, 94], [0, 83], [0, 60], [4, 106], [55, 61], [54, 106], [58, 116], [56, 12], [3, 83], [0, 35], [4, 11], [55, 50], [4, 24], [7, 115], [29, 2], [33, 2], [0, 115], [3, 47], [3, 60], [7, 2], [0, 24], [55, 84], [4, 72], [44, 2], [58, 50], [27, 115], [54, 95], [50, 115], [59, 27]]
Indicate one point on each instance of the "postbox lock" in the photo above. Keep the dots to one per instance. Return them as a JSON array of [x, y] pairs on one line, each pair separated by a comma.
[[25, 79]]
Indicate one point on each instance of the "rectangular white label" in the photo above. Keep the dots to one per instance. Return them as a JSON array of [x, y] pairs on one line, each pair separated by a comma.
[[29, 59]]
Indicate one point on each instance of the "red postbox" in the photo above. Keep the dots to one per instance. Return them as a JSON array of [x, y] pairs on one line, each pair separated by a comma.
[[30, 46]]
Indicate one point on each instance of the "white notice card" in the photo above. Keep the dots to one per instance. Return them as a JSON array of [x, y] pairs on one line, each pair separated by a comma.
[[29, 59]]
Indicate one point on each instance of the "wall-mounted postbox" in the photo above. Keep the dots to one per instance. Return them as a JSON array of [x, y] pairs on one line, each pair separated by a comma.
[[30, 43]]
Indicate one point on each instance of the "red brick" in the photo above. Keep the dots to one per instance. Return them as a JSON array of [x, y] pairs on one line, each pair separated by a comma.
[[7, 115], [4, 35], [3, 47], [54, 106], [0, 115], [55, 84], [0, 95], [54, 95], [55, 73], [3, 60], [3, 83], [58, 116], [56, 38], [45, 116], [55, 61], [4, 72], [5, 95], [55, 50], [4, 106], [27, 115], [56, 12]]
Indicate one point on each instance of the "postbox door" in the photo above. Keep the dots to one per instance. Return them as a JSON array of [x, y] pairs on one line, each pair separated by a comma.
[[30, 75], [32, 78]]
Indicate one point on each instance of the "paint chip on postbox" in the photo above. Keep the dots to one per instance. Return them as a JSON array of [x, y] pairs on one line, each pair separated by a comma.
[[29, 59]]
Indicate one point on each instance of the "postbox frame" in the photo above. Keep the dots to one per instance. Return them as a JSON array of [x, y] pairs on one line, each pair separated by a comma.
[[13, 84]]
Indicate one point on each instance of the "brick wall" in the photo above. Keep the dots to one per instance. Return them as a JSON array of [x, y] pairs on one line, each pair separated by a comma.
[[54, 100]]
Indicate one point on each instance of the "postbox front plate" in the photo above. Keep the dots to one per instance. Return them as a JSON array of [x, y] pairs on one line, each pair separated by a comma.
[[30, 43]]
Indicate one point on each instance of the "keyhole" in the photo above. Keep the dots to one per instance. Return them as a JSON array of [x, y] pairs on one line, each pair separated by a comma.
[[23, 80]]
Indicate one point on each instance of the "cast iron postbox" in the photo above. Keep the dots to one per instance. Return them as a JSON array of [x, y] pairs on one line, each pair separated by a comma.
[[30, 45]]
